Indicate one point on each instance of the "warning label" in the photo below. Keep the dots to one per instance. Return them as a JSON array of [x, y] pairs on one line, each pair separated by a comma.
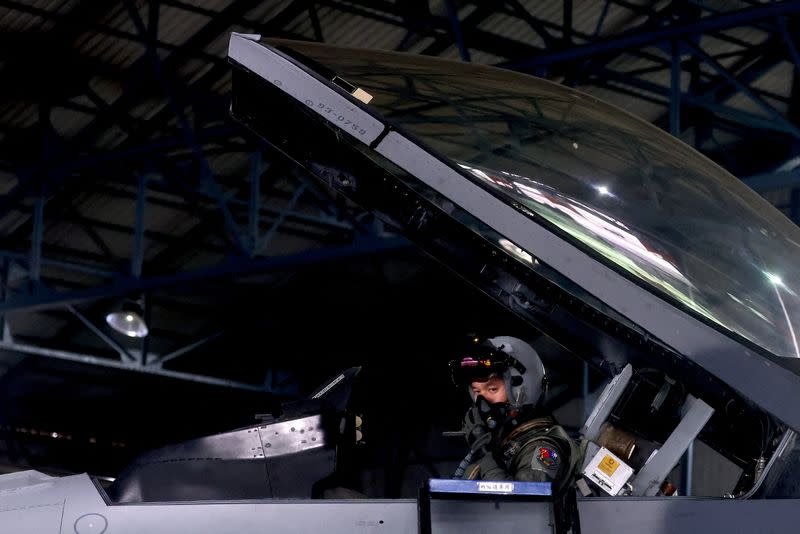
[[608, 465]]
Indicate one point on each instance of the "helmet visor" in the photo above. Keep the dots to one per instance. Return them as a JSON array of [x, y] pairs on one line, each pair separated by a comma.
[[470, 369]]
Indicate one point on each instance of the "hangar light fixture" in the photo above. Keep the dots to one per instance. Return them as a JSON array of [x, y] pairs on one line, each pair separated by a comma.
[[128, 319]]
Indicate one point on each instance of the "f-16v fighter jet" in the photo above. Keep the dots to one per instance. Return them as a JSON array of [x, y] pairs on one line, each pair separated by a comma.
[[616, 240]]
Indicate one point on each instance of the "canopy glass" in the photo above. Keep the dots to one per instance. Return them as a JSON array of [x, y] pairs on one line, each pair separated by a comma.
[[636, 198]]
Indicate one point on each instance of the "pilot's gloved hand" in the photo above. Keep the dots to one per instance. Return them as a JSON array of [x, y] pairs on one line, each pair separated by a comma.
[[490, 469], [475, 430]]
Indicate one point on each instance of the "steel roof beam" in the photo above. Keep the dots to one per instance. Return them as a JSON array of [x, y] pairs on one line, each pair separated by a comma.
[[752, 64], [90, 226], [773, 181], [261, 243], [131, 94], [189, 134], [89, 359], [455, 28], [742, 88], [92, 234], [65, 20], [83, 268], [743, 118], [148, 148], [793, 113], [61, 253], [228, 268], [158, 121], [755, 62], [702, 5], [35, 261], [478, 39], [639, 39], [466, 30], [536, 25], [108, 340], [489, 43], [321, 222], [161, 360]]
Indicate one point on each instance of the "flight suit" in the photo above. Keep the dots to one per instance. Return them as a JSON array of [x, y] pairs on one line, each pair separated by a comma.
[[536, 450]]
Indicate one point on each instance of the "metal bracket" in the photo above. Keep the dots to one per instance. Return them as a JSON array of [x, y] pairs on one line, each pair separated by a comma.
[[602, 409], [648, 480]]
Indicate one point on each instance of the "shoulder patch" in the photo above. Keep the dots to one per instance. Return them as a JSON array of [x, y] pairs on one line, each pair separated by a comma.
[[548, 457]]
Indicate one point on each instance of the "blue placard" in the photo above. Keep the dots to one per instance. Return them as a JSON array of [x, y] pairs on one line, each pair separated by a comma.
[[489, 487]]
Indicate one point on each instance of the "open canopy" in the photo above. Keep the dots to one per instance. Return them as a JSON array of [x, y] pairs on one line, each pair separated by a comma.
[[632, 216]]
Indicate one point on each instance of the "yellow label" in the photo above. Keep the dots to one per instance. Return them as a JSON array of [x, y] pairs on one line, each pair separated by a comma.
[[608, 465]]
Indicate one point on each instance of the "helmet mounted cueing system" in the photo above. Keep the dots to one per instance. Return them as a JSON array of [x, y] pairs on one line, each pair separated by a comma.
[[508, 358]]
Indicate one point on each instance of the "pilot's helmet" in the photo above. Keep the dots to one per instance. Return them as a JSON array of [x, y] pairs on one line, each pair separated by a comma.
[[509, 358]]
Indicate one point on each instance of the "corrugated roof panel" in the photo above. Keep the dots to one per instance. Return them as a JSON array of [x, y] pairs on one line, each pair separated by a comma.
[[103, 208], [267, 10], [110, 138], [779, 197], [353, 30], [106, 89], [485, 58], [176, 26], [778, 105], [12, 219], [419, 45], [68, 122], [714, 46], [636, 106], [743, 102], [777, 80], [364, 7], [16, 20], [26, 324], [189, 69], [19, 114], [476, 56], [223, 85], [219, 46], [511, 28], [71, 235], [117, 17], [114, 51], [168, 221], [230, 163], [82, 100], [7, 181], [121, 211], [301, 25], [585, 18], [663, 78], [642, 108], [147, 108], [618, 18], [585, 15], [749, 34], [628, 62]]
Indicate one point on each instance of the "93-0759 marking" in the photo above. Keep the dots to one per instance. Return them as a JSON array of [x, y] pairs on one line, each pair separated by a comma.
[[335, 116]]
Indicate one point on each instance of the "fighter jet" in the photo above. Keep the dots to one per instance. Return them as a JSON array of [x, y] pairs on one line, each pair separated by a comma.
[[616, 240]]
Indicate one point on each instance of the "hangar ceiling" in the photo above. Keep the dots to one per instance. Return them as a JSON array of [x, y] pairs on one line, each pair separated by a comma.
[[122, 176]]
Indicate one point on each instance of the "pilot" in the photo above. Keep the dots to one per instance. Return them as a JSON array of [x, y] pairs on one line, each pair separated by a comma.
[[509, 436]]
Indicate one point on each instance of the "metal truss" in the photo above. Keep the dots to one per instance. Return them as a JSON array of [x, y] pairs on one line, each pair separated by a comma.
[[165, 160]]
